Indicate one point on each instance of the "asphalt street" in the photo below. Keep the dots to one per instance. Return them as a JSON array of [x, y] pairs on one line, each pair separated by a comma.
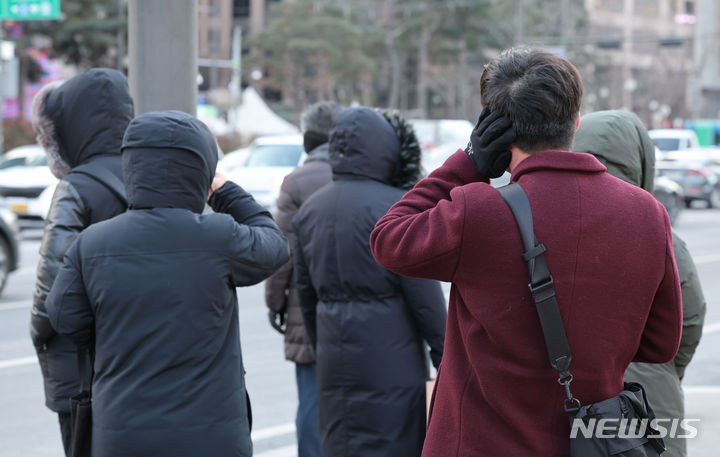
[[27, 428]]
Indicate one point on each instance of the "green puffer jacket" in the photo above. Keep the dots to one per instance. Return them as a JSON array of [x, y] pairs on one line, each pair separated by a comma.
[[619, 140]]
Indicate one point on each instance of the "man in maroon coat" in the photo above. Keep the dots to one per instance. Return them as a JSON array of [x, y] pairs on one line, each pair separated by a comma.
[[609, 249]]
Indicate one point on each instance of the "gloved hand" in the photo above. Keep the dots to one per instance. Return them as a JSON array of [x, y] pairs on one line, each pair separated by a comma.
[[489, 146], [277, 320], [40, 330]]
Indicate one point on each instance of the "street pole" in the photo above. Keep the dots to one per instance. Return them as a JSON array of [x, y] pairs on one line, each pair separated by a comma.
[[163, 49]]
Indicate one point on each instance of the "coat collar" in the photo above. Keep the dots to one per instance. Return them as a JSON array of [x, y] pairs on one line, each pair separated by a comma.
[[558, 160]]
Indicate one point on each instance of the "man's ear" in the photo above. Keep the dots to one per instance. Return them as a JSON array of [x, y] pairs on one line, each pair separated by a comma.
[[577, 123]]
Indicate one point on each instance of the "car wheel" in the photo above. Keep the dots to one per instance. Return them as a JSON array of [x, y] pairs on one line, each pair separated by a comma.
[[4, 263], [714, 200]]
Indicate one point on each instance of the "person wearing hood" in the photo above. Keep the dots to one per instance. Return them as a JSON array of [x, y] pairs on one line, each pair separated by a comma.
[[280, 294], [619, 140], [153, 292], [80, 124], [369, 325]]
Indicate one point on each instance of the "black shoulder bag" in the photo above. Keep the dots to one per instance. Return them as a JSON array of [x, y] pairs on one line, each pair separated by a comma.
[[81, 408], [622, 426]]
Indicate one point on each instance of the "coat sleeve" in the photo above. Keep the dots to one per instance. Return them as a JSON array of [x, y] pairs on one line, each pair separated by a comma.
[[306, 291], [661, 337], [420, 236], [257, 247], [693, 304], [427, 305], [67, 304], [65, 220], [277, 286]]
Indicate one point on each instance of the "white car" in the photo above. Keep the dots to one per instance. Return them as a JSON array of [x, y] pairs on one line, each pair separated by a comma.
[[674, 139], [27, 184], [269, 160]]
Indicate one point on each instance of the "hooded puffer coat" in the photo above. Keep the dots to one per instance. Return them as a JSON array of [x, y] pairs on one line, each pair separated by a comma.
[[370, 325], [79, 122], [154, 288], [619, 140]]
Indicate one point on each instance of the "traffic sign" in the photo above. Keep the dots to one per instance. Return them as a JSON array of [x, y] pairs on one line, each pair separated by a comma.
[[29, 10]]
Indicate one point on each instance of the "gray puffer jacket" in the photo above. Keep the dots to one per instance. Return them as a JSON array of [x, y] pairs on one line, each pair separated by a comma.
[[280, 292], [78, 122]]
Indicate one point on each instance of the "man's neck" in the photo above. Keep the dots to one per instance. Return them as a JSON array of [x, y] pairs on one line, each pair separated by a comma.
[[518, 155]]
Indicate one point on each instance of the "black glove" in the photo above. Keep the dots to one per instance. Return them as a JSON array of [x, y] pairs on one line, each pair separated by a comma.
[[489, 146], [40, 330], [277, 320]]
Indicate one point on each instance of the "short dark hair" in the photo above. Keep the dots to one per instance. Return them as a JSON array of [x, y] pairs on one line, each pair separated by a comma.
[[319, 118], [539, 91]]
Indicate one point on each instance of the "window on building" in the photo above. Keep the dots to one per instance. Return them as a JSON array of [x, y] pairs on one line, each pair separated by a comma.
[[213, 41], [689, 7], [241, 8]]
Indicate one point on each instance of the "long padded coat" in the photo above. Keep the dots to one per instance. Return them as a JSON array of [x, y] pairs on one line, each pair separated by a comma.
[[155, 289], [370, 324], [609, 249], [79, 122]]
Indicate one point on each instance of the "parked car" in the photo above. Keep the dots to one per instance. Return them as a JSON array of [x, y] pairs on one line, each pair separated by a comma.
[[8, 243], [27, 184], [674, 139], [269, 160], [697, 171]]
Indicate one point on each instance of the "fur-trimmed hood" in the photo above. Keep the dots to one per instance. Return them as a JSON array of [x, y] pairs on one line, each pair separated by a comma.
[[364, 144], [82, 117], [410, 170]]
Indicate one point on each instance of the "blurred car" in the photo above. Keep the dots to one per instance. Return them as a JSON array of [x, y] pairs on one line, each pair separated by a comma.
[[674, 139], [269, 160], [670, 194], [8, 243], [27, 184], [697, 171], [232, 160]]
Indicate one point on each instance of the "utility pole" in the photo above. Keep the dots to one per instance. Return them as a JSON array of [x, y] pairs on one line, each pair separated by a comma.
[[163, 49]]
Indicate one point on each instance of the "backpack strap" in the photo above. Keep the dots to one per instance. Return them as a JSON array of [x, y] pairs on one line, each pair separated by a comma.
[[542, 290], [105, 177]]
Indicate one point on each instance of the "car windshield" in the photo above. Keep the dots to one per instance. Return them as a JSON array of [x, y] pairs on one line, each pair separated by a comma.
[[275, 155], [28, 161], [667, 144]]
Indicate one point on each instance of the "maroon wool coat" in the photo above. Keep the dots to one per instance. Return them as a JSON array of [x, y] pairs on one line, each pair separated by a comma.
[[609, 249]]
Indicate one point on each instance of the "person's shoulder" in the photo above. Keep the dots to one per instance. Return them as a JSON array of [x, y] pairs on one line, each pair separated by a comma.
[[96, 237]]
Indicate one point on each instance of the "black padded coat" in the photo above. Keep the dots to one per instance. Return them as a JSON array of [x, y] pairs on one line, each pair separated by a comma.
[[370, 325], [80, 122], [154, 288]]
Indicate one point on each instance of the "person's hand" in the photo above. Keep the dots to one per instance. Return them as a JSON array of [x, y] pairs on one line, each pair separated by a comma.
[[217, 183], [490, 141], [40, 331], [277, 320]]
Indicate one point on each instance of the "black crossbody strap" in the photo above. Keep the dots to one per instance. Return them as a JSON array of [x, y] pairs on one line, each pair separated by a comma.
[[104, 177], [85, 374], [541, 288]]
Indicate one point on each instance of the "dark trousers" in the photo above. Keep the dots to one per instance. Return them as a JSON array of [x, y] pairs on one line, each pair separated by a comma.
[[307, 421], [66, 431]]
